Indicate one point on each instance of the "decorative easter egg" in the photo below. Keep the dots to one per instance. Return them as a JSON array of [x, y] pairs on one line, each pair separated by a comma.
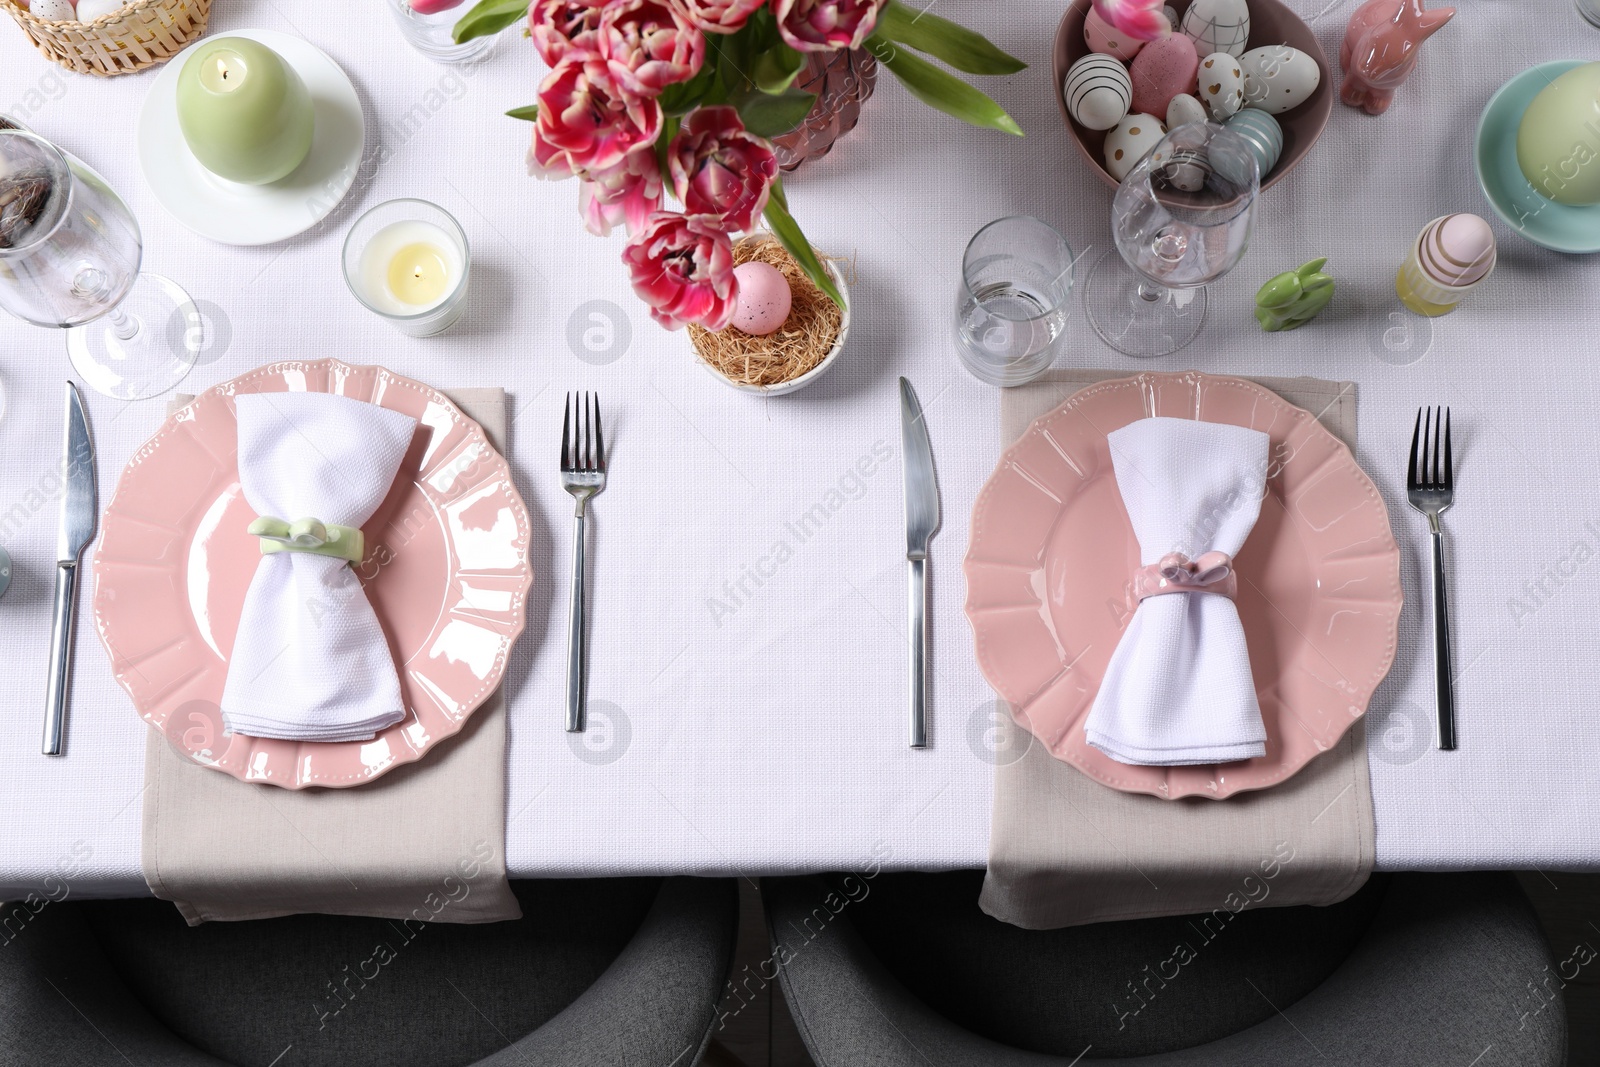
[[764, 298], [89, 10], [1186, 170], [1218, 26], [1161, 71], [1263, 133], [1105, 38], [1457, 250], [1277, 77], [1128, 143], [1555, 143], [53, 10], [1184, 109], [1097, 91], [1221, 85]]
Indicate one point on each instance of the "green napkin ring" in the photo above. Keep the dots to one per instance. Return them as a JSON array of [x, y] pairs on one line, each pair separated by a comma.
[[309, 535]]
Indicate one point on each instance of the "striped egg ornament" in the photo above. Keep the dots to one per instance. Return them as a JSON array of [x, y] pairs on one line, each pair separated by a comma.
[[1097, 91], [1263, 133]]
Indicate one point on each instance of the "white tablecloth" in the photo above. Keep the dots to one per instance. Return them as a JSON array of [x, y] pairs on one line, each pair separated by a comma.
[[748, 601]]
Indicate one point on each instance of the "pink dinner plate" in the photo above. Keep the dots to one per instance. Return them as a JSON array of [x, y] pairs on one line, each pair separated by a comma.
[[1052, 556], [446, 570]]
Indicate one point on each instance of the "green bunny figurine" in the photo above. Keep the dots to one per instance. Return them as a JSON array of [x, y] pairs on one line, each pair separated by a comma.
[[1294, 297]]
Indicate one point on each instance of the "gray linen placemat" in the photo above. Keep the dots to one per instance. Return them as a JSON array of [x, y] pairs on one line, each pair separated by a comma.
[[1065, 850], [426, 841]]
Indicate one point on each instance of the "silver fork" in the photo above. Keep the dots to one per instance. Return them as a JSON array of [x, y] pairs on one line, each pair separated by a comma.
[[583, 474], [1430, 488]]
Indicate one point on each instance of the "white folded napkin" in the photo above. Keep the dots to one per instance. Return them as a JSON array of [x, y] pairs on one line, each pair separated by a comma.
[[1178, 690], [311, 662]]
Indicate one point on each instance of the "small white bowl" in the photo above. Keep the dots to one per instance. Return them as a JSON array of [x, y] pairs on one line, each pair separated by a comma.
[[795, 384]]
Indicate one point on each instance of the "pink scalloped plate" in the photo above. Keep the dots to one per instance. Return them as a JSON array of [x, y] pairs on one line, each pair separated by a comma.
[[1049, 579], [446, 570]]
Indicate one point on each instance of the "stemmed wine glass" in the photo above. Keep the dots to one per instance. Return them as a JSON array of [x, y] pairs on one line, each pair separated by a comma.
[[1182, 219], [69, 259]]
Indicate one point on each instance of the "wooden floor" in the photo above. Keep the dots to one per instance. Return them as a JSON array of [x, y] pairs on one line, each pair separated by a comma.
[[758, 1031]]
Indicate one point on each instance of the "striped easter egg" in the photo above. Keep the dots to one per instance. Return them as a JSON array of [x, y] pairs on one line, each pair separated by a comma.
[[1098, 91], [1263, 133], [1457, 250]]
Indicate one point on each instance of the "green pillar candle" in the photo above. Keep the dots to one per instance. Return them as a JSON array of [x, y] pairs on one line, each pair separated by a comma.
[[244, 112]]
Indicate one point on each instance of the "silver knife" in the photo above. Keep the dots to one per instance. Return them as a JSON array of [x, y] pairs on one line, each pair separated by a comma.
[[75, 533], [922, 519]]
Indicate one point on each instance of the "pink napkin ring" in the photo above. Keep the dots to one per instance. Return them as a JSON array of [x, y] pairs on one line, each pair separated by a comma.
[[1177, 573]]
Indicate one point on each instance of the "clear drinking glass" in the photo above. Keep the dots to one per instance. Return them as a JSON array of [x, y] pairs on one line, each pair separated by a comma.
[[432, 34], [1011, 309], [1182, 219], [1590, 9], [69, 259]]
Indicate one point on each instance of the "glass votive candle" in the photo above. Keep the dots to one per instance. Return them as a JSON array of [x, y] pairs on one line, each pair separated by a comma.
[[408, 262]]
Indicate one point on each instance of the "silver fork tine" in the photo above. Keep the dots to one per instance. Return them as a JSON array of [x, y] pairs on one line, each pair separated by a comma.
[[599, 437], [1413, 466], [1449, 467], [566, 432], [1438, 431]]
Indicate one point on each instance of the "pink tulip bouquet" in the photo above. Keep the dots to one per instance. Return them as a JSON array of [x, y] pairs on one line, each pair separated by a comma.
[[647, 98]]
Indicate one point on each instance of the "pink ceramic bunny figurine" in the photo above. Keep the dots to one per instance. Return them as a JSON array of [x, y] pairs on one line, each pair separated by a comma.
[[1380, 49]]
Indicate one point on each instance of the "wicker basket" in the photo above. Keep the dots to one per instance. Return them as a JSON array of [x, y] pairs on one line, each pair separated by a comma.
[[141, 35]]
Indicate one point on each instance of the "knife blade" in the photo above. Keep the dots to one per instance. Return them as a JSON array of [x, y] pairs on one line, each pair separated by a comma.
[[922, 521], [72, 536]]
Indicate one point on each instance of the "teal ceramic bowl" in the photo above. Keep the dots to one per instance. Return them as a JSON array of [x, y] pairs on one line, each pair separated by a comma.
[[1544, 222]]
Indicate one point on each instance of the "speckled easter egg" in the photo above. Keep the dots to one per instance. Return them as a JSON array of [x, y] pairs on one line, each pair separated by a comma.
[[1103, 37], [1263, 133], [1184, 109], [53, 10], [1161, 71], [1457, 250], [1221, 85], [1218, 26], [764, 298], [1127, 144], [1278, 78], [1097, 91]]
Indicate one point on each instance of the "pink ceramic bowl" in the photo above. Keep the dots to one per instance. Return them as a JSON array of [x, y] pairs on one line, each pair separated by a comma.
[[1270, 23]]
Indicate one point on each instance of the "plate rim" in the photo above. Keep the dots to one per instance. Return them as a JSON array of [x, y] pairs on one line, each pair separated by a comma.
[[1342, 450], [525, 577]]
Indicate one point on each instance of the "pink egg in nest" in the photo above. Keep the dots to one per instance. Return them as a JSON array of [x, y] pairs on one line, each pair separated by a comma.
[[1101, 36], [764, 298], [1161, 71]]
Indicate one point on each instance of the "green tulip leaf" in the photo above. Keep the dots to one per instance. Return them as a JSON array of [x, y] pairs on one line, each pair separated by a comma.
[[489, 17], [528, 113], [775, 114], [787, 231], [945, 40], [940, 90], [777, 69]]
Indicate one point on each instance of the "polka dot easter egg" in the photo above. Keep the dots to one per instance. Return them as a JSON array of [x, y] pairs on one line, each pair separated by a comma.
[[53, 10], [1277, 78], [1161, 71], [1221, 85], [1127, 144], [1097, 91]]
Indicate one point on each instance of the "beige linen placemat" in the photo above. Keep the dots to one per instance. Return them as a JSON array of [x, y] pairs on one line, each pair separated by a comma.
[[426, 841], [1065, 850]]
